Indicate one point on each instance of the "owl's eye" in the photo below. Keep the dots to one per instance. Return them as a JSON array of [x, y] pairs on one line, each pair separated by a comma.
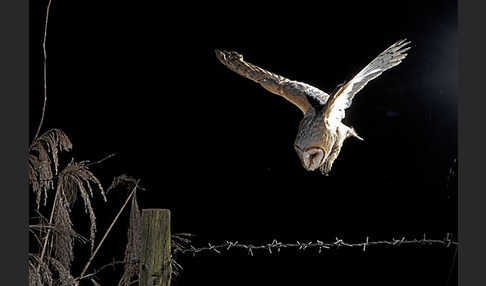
[[313, 157]]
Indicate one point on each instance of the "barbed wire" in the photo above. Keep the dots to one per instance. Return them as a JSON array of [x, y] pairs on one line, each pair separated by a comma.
[[276, 245], [318, 245]]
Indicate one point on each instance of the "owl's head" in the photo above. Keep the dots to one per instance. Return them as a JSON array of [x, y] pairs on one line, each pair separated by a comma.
[[314, 141]]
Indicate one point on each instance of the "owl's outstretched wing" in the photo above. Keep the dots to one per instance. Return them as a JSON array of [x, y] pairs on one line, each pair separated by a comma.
[[343, 97], [304, 96]]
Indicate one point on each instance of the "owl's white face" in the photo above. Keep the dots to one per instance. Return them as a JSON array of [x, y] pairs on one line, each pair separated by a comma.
[[311, 158]]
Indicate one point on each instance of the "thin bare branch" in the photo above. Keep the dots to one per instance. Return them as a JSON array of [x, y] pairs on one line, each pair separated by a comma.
[[111, 264], [45, 68], [108, 231], [39, 242], [102, 160]]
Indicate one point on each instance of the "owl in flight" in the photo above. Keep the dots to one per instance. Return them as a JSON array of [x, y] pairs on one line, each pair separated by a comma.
[[321, 133]]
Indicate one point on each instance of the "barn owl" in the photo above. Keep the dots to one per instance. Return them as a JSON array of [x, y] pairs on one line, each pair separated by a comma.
[[321, 133]]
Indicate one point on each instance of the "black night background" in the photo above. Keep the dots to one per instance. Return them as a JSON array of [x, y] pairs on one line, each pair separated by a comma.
[[140, 79]]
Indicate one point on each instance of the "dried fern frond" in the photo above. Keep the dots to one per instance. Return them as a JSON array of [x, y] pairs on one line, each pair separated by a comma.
[[133, 250], [43, 156], [53, 140], [74, 179], [123, 180], [40, 175], [64, 275], [62, 243], [35, 279], [39, 276], [50, 273]]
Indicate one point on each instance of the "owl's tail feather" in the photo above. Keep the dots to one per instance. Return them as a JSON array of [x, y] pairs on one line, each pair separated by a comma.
[[235, 62]]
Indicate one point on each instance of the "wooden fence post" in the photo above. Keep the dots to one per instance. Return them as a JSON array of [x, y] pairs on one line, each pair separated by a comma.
[[155, 264]]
